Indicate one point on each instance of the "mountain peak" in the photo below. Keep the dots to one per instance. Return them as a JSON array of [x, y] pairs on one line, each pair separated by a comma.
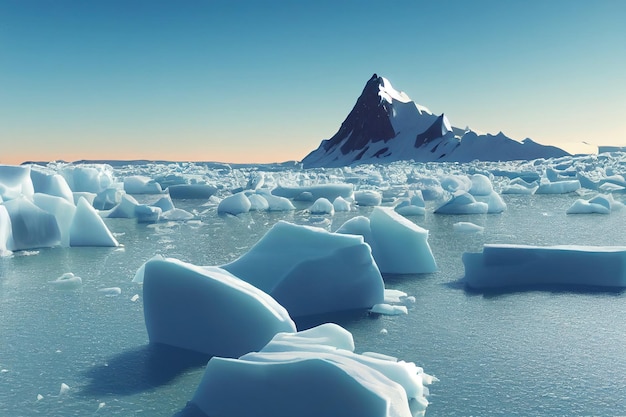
[[385, 125]]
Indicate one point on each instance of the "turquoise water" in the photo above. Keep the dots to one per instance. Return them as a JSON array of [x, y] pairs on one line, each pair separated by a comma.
[[538, 352]]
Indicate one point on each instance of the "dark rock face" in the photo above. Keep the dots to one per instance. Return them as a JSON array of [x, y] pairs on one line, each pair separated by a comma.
[[435, 131], [367, 122]]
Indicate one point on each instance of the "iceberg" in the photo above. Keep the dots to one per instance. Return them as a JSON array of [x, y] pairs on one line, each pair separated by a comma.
[[31, 226], [311, 271], [50, 183], [235, 204], [413, 205], [462, 202], [600, 204], [88, 228], [139, 184], [557, 187], [399, 246], [126, 208], [368, 198], [508, 265], [15, 181], [62, 210], [322, 206], [341, 204], [208, 310], [93, 178], [311, 373], [6, 233]]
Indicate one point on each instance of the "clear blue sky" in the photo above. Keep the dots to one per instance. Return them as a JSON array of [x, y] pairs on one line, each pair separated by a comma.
[[262, 81]]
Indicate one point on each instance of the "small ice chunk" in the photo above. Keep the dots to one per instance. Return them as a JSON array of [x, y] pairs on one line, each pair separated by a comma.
[[341, 204], [110, 291], [368, 198], [467, 227], [64, 389], [67, 281], [389, 309], [177, 215], [234, 204], [322, 206], [394, 296]]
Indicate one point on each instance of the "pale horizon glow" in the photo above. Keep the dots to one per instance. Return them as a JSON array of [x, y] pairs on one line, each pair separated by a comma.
[[260, 82]]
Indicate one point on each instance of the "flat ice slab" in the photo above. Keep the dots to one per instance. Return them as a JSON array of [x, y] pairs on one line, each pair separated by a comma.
[[506, 265]]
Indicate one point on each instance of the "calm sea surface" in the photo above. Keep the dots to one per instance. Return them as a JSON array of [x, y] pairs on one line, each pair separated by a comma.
[[540, 352]]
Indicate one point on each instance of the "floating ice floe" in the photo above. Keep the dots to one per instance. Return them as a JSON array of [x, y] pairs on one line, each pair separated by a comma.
[[519, 186], [341, 204], [413, 205], [234, 204], [208, 310], [139, 184], [322, 206], [462, 202], [64, 389], [67, 281], [110, 291], [327, 191], [399, 246], [176, 215], [467, 227], [311, 373], [389, 309], [368, 198], [557, 187], [502, 265], [601, 204]]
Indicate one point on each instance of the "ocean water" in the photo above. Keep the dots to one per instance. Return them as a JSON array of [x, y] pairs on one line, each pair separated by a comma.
[[532, 352]]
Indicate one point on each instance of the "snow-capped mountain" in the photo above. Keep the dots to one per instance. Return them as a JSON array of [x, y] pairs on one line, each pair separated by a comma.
[[385, 125]]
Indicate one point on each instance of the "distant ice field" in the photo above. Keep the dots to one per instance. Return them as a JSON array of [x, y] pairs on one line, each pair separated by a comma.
[[540, 351]]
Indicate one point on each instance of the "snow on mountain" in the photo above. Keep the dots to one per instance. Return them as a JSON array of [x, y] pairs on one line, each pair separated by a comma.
[[385, 125]]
